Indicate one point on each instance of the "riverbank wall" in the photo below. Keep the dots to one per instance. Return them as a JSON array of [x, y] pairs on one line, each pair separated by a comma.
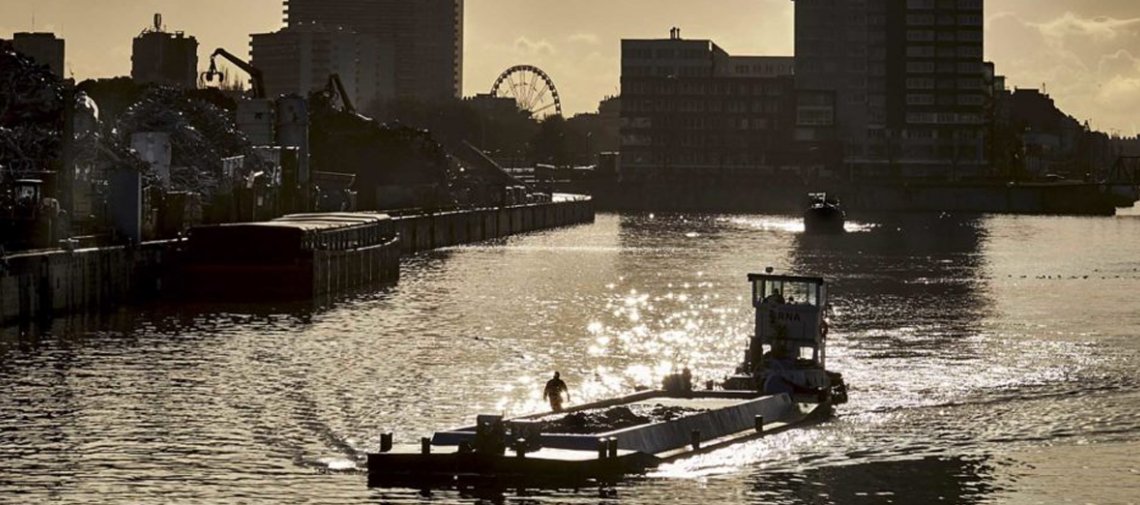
[[790, 196], [40, 285], [422, 232]]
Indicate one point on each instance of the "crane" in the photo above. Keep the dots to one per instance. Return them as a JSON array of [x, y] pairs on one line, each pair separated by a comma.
[[255, 75], [335, 86]]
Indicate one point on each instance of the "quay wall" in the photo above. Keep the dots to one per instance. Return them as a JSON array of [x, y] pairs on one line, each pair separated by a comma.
[[40, 285], [422, 232], [790, 196]]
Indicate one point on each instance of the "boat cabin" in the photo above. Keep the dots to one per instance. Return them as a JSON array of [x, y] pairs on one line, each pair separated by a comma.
[[822, 199], [789, 318]]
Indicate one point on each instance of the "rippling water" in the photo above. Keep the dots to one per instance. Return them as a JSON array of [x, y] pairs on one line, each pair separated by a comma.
[[991, 359]]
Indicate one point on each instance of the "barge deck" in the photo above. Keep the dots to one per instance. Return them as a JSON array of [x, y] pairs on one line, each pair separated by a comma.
[[533, 457]]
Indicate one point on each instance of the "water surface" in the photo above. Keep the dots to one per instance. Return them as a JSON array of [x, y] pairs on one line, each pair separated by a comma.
[[991, 359]]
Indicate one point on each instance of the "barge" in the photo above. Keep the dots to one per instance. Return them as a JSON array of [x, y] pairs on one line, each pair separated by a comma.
[[782, 384], [298, 256]]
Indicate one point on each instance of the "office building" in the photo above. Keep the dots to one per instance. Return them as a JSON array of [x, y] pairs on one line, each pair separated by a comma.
[[900, 83], [301, 58], [689, 110], [425, 37], [44, 48], [164, 58]]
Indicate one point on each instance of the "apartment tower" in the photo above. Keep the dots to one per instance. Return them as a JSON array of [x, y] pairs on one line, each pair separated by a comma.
[[44, 48], [901, 84], [425, 38]]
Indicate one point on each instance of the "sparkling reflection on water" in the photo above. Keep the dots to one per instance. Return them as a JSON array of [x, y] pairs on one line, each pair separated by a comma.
[[978, 349]]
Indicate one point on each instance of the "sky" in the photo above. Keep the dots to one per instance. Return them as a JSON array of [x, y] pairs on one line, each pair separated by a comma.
[[1086, 53]]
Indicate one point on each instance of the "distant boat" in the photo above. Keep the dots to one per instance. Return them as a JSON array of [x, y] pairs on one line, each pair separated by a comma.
[[824, 216]]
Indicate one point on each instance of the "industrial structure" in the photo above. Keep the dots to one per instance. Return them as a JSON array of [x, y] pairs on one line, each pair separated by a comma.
[[425, 38], [164, 58]]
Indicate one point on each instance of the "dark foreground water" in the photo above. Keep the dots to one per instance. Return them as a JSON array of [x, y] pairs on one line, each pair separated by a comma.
[[991, 359]]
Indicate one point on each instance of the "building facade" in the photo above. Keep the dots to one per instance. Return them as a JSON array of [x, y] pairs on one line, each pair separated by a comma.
[[300, 59], [44, 48], [901, 84], [689, 110], [424, 36], [165, 58]]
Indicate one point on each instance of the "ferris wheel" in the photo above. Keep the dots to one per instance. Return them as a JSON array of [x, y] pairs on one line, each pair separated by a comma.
[[531, 88]]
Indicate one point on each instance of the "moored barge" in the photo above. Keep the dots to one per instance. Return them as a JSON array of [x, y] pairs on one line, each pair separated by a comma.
[[298, 256]]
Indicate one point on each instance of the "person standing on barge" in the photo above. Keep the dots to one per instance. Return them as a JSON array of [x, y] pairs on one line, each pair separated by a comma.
[[553, 392]]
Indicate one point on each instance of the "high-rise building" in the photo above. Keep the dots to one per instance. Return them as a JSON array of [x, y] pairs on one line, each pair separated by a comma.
[[689, 110], [44, 48], [900, 83], [164, 58], [301, 58], [425, 37]]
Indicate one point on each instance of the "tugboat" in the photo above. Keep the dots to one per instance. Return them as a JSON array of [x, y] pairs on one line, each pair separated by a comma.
[[788, 352], [824, 216], [781, 385]]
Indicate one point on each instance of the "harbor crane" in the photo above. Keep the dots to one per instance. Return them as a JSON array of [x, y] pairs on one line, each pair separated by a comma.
[[336, 87], [255, 75]]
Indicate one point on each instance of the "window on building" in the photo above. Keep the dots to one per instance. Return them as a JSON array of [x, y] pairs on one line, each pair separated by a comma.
[[971, 100], [920, 51], [920, 99], [920, 67], [970, 35], [919, 35], [919, 83]]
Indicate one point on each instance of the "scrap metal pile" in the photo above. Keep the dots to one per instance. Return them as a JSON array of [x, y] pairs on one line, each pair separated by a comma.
[[378, 154], [613, 418], [31, 114], [94, 152], [201, 134]]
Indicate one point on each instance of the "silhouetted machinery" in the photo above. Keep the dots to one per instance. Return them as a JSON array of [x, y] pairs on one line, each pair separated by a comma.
[[29, 218], [257, 80], [335, 86]]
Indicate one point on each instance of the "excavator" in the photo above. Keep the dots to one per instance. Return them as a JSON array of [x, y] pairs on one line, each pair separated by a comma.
[[255, 75]]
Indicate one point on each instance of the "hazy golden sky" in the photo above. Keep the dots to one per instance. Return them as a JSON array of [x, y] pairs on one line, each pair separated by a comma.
[[1087, 52]]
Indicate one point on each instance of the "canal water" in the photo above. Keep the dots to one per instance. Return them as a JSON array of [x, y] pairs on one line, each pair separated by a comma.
[[991, 359]]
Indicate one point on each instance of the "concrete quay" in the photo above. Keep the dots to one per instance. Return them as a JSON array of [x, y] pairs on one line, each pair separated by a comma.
[[422, 232], [39, 285], [43, 284], [790, 196]]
